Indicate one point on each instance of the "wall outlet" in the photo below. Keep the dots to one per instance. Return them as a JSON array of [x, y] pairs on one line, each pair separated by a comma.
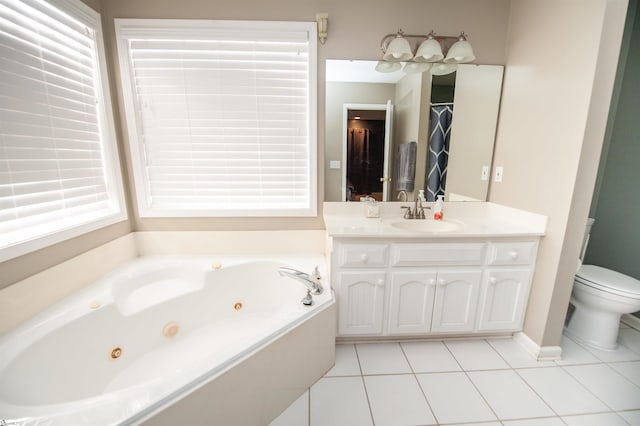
[[485, 173], [499, 173], [334, 164]]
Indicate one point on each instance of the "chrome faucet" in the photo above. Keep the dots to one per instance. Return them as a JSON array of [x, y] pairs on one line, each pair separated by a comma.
[[417, 212], [402, 194], [312, 281]]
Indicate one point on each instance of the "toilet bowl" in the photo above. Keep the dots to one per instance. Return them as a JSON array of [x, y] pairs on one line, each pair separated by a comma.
[[600, 297]]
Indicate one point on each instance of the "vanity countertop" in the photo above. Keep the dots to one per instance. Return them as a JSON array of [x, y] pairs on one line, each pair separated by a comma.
[[473, 219]]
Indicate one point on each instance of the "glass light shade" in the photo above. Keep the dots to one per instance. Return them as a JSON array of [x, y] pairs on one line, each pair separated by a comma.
[[384, 66], [443, 69], [460, 52], [398, 50], [429, 51], [416, 67]]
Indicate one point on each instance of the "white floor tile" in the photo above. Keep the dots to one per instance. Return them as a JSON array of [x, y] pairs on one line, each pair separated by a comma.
[[484, 424], [339, 401], [476, 355], [564, 394], [296, 415], [397, 400], [632, 417], [603, 419], [430, 357], [454, 399], [509, 395], [382, 358], [622, 353], [346, 362], [630, 338], [608, 385], [515, 355], [630, 370], [547, 421], [573, 353]]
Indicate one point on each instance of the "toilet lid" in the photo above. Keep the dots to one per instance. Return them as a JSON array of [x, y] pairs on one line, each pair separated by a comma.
[[609, 280]]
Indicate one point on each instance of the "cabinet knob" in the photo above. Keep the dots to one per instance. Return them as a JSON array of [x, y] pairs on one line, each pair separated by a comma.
[[364, 257], [442, 281], [380, 282], [493, 280], [513, 254], [432, 281]]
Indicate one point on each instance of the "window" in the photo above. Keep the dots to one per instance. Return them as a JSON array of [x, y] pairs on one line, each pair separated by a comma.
[[220, 116], [59, 173]]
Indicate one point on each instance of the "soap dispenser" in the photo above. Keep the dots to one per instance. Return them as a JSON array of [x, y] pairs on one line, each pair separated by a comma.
[[438, 209]]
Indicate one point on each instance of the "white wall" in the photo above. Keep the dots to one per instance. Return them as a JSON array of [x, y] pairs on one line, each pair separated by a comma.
[[560, 68]]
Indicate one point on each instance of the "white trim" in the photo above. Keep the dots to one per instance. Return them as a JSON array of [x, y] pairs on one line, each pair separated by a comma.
[[539, 353], [92, 20], [345, 120]]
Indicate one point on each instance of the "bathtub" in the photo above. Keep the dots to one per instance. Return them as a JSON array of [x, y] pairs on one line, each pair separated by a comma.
[[171, 340]]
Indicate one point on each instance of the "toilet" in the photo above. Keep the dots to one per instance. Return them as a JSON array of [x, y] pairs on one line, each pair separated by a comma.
[[600, 297]]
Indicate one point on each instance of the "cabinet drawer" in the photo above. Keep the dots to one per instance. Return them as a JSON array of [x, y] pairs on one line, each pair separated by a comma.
[[362, 255], [437, 254], [512, 253]]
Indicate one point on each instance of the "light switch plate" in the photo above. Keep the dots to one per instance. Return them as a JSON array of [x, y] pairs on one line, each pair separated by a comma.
[[499, 173], [485, 173], [334, 164]]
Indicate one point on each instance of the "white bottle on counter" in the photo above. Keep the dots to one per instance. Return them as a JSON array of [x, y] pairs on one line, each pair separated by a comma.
[[438, 208]]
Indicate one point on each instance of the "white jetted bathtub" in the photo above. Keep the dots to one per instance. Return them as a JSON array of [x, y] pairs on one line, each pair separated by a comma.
[[171, 340]]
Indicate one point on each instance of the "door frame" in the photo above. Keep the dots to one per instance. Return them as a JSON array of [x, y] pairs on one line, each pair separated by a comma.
[[388, 107]]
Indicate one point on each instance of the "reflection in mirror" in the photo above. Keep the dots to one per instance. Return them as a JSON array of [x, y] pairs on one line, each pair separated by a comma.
[[476, 95]]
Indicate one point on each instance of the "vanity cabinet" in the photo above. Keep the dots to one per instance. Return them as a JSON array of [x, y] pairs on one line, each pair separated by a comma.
[[362, 310], [423, 287]]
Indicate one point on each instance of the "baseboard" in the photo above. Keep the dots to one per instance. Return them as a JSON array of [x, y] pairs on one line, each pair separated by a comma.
[[540, 353], [631, 320]]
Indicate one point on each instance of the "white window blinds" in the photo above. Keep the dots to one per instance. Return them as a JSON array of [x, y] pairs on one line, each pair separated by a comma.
[[58, 170], [221, 116]]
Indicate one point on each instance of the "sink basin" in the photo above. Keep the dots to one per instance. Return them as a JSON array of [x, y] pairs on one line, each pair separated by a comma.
[[426, 225]]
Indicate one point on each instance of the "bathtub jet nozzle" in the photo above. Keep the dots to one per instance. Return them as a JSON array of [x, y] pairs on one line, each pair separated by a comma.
[[313, 281]]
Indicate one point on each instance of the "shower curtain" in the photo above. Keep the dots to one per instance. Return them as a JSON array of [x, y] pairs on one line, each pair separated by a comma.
[[438, 156]]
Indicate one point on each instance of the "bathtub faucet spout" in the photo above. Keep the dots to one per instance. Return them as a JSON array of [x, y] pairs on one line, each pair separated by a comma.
[[311, 281]]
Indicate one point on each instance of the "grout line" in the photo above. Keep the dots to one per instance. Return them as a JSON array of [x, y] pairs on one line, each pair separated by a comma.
[[364, 385], [415, 377], [309, 407], [523, 379], [563, 367]]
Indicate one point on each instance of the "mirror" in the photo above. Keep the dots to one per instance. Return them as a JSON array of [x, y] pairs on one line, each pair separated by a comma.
[[471, 94]]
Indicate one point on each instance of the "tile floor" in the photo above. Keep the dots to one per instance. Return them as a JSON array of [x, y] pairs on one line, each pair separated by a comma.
[[479, 382]]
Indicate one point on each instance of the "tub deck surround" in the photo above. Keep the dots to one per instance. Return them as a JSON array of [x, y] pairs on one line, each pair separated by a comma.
[[24, 299], [477, 219], [159, 330], [472, 279]]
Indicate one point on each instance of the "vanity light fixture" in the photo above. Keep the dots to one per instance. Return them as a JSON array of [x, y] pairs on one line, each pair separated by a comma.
[[323, 21], [396, 48]]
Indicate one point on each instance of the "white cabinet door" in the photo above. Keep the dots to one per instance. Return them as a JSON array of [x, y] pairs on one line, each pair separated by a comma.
[[504, 297], [360, 302], [456, 300], [411, 302]]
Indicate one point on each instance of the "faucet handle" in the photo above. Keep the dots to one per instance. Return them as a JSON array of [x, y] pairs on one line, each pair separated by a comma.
[[407, 214]]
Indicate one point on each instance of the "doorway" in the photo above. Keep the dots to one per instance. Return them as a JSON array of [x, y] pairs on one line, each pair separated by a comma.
[[366, 134]]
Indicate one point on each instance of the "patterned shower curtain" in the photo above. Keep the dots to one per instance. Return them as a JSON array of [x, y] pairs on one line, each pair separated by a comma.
[[438, 156]]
